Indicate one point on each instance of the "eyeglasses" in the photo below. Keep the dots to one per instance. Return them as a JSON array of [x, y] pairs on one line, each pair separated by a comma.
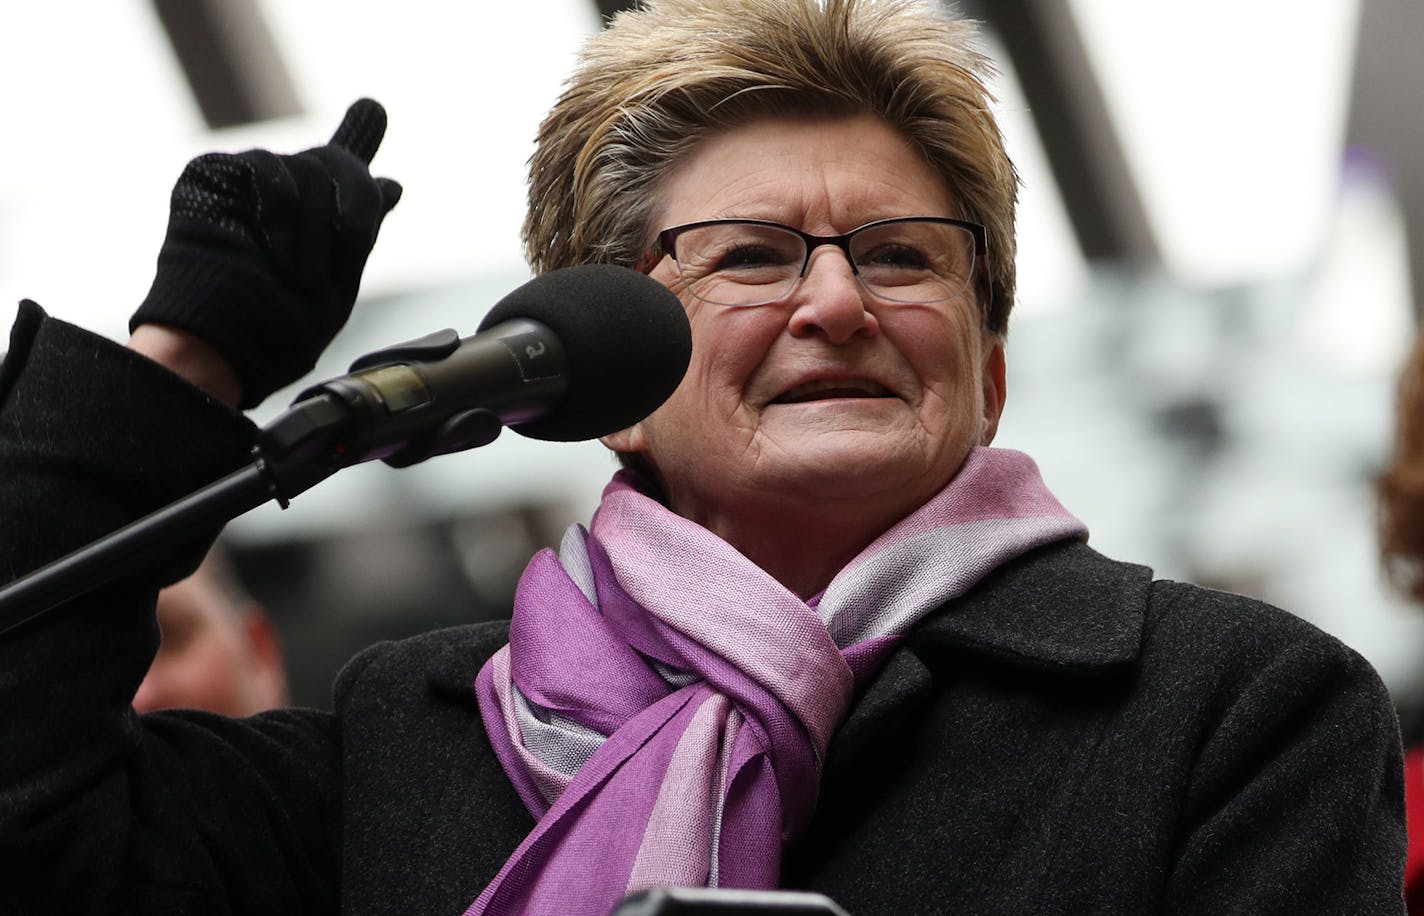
[[748, 262]]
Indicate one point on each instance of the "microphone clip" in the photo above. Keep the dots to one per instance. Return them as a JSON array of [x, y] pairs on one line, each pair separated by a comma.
[[326, 424], [465, 430]]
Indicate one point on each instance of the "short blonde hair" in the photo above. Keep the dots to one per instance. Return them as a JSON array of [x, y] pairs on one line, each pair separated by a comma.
[[659, 79]]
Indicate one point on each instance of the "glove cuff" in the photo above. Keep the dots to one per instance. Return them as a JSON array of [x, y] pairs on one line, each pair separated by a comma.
[[232, 306]]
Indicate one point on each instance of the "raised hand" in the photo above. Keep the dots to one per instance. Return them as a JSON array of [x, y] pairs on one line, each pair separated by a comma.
[[264, 252]]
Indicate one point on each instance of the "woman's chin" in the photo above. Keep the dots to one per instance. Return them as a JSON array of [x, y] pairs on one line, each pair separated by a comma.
[[837, 464]]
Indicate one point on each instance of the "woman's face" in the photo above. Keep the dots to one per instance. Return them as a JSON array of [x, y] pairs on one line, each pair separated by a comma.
[[827, 395]]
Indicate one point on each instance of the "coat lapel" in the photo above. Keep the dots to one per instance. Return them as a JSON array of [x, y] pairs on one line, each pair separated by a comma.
[[1063, 608]]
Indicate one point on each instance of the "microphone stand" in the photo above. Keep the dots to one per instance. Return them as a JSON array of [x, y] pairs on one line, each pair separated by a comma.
[[294, 453], [383, 414]]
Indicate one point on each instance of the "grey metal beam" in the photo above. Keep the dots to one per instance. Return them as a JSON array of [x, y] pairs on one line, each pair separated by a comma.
[[1075, 127], [233, 66], [606, 8], [1385, 112]]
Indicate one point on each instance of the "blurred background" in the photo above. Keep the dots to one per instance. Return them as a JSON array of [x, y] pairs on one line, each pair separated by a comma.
[[1218, 277]]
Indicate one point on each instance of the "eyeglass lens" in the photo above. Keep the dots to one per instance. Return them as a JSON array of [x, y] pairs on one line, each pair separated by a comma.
[[744, 264]]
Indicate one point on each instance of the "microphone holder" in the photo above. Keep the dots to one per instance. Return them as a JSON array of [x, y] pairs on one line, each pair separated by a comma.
[[293, 453], [329, 427]]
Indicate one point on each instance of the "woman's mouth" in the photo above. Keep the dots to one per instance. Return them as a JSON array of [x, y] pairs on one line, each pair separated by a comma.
[[827, 389]]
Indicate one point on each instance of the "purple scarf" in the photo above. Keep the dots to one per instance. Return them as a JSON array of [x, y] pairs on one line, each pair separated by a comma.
[[664, 705]]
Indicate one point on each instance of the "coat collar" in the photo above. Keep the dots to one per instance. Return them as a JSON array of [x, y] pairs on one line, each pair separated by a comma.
[[1065, 606], [1062, 608]]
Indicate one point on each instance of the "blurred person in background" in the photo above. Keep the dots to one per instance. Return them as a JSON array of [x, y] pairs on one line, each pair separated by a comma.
[[1400, 491], [219, 650]]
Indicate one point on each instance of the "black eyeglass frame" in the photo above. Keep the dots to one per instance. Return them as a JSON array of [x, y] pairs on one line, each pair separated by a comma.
[[667, 244]]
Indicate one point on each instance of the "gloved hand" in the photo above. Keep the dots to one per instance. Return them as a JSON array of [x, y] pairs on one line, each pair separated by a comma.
[[264, 253]]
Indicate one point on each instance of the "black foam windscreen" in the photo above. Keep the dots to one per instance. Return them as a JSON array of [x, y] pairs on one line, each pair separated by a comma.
[[627, 341]]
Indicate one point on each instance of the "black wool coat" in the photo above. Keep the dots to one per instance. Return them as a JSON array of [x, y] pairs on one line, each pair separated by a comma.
[[1070, 737]]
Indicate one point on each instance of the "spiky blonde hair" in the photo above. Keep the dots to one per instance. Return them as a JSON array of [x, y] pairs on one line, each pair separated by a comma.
[[659, 79]]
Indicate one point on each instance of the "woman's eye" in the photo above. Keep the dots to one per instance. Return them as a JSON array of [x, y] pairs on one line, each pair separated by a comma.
[[897, 256], [748, 255]]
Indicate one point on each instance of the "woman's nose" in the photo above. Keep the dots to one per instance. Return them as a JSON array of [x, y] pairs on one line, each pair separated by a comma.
[[830, 301]]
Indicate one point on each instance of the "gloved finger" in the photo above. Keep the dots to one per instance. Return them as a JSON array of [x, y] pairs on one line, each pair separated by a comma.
[[391, 191], [338, 174], [362, 129], [271, 185], [289, 222]]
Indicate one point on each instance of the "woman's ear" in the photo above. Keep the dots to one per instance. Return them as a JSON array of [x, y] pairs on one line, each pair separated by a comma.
[[995, 387]]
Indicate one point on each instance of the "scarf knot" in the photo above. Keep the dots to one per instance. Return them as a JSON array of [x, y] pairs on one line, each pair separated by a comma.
[[663, 705]]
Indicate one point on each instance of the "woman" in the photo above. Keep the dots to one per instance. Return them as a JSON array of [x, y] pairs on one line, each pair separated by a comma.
[[817, 635]]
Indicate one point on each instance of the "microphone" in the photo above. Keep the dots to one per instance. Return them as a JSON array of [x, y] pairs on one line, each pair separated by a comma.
[[573, 354]]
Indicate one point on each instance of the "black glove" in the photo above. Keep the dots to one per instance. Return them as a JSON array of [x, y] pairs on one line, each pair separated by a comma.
[[264, 253]]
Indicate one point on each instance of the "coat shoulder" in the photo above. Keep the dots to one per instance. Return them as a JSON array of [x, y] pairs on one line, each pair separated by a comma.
[[447, 656], [1204, 623]]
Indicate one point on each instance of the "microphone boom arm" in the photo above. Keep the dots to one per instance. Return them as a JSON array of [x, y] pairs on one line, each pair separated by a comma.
[[196, 515], [342, 422]]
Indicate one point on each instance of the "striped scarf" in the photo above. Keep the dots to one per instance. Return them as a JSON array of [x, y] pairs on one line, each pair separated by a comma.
[[663, 705]]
